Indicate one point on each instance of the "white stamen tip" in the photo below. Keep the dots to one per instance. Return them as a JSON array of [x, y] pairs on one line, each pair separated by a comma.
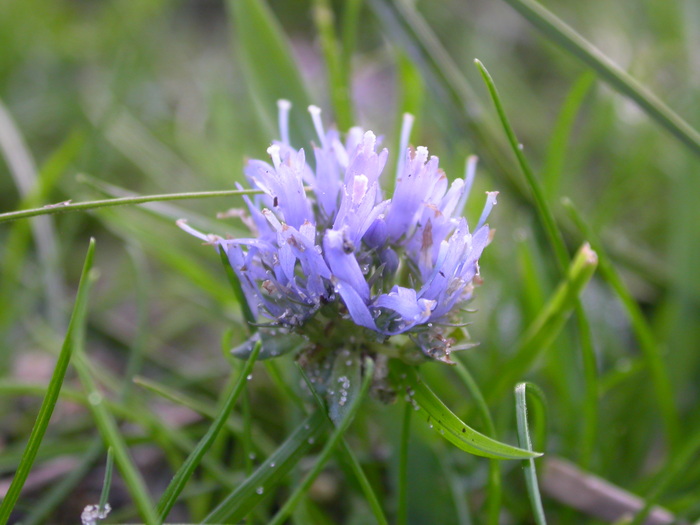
[[314, 110], [274, 152], [284, 105]]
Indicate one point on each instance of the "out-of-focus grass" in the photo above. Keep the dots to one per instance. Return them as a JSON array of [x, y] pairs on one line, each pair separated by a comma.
[[164, 97]]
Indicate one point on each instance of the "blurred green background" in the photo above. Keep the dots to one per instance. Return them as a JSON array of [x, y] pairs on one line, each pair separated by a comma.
[[155, 96]]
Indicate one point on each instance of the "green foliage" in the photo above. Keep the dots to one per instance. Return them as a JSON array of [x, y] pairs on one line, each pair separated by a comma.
[[162, 101]]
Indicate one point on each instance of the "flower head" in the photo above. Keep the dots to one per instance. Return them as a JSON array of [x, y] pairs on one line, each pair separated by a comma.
[[332, 253]]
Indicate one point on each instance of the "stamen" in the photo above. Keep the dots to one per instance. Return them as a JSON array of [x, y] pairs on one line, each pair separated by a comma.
[[182, 224], [490, 203], [470, 173], [315, 112], [283, 116], [406, 127], [274, 152]]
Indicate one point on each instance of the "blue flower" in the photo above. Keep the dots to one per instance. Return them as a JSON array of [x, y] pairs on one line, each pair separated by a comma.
[[328, 247]]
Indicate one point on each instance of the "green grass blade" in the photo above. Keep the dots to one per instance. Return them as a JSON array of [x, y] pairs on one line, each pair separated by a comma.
[[107, 484], [650, 348], [268, 65], [551, 319], [174, 488], [328, 448], [448, 424], [54, 388], [564, 36], [543, 210], [528, 464], [270, 473], [338, 72], [63, 207]]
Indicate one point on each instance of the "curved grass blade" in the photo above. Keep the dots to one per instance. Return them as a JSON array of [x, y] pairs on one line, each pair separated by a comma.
[[333, 440], [448, 424], [62, 207], [528, 464], [564, 36], [42, 421], [551, 319], [270, 473], [268, 64], [174, 488]]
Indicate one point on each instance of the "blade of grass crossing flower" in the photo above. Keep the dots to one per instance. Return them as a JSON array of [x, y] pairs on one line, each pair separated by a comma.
[[63, 207], [328, 448], [349, 457], [169, 497], [338, 73], [549, 322], [238, 504], [528, 464], [268, 65], [494, 484], [447, 423], [564, 36], [647, 342], [47, 406]]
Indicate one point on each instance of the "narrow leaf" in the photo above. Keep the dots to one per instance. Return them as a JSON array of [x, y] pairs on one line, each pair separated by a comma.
[[448, 424], [52, 393]]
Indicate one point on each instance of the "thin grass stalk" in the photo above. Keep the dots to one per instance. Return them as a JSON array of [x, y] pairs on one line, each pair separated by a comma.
[[64, 207]]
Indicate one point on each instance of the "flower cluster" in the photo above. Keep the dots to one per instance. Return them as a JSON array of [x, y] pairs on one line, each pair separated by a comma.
[[328, 249]]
